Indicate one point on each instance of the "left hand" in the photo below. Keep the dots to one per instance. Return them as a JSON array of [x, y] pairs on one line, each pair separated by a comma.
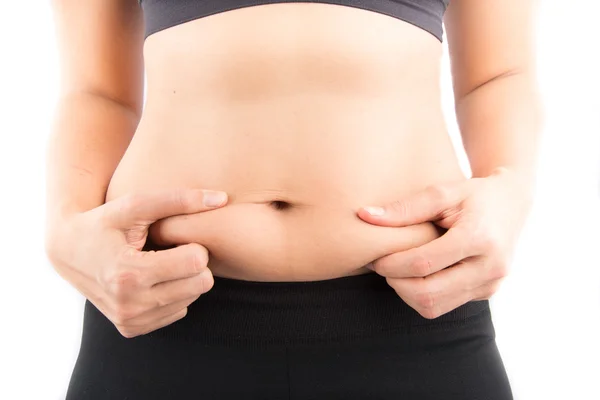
[[483, 218]]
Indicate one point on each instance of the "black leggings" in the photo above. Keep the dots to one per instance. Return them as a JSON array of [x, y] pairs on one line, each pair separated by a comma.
[[345, 338]]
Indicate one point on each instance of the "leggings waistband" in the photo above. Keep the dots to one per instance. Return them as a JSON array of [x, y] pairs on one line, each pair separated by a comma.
[[255, 314]]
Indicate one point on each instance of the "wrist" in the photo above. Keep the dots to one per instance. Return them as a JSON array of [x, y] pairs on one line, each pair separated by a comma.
[[60, 233]]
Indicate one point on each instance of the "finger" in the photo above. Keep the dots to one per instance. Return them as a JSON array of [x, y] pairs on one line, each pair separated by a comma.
[[173, 291], [166, 321], [130, 332], [443, 291], [147, 207], [156, 314], [180, 229], [159, 231], [485, 292], [179, 262], [453, 246], [426, 205]]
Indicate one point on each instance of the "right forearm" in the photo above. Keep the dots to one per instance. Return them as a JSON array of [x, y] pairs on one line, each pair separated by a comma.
[[89, 136]]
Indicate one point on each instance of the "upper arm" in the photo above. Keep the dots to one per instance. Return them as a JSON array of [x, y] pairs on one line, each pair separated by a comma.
[[100, 45], [488, 39]]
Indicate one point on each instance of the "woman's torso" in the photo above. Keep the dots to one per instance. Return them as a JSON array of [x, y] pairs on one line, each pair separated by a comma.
[[322, 108]]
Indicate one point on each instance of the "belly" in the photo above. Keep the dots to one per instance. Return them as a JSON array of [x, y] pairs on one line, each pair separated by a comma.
[[300, 127]]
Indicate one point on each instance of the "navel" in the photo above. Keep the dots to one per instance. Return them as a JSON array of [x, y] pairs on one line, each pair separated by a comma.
[[280, 205]]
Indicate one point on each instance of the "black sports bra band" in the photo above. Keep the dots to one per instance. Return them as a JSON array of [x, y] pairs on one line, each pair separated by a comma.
[[162, 14]]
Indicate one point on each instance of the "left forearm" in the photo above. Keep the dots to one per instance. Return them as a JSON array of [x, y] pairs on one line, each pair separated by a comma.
[[500, 124]]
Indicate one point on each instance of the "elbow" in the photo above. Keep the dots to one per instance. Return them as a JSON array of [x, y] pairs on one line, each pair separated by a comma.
[[523, 74]]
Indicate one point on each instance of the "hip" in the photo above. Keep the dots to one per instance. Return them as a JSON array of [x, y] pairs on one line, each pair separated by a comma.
[[343, 338]]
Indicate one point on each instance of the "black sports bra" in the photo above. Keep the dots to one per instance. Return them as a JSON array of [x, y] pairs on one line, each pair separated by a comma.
[[162, 14]]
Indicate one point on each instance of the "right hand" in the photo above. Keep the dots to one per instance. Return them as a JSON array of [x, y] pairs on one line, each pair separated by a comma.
[[99, 252]]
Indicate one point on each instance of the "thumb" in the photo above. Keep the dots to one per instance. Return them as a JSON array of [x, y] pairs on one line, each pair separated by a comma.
[[428, 204], [144, 208]]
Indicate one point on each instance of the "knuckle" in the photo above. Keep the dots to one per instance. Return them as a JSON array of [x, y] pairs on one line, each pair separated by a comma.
[[384, 267], [399, 206], [421, 266], [190, 290], [127, 332], [198, 286], [428, 313], [53, 257], [124, 280], [379, 267], [207, 283], [498, 272], [194, 298], [483, 242], [181, 314], [392, 283], [198, 257], [425, 300], [180, 199], [489, 290], [161, 301], [496, 285], [127, 256], [121, 282], [122, 314], [50, 248]]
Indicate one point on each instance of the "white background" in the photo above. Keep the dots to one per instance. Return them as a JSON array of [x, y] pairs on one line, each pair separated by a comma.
[[547, 313]]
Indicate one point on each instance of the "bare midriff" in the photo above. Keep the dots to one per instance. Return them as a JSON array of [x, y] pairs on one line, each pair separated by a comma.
[[302, 113]]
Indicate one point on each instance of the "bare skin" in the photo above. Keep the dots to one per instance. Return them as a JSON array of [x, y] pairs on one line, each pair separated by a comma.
[[300, 127]]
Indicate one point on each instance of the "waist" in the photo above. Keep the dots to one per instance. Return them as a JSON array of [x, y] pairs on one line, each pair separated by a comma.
[[268, 314], [296, 172], [309, 147]]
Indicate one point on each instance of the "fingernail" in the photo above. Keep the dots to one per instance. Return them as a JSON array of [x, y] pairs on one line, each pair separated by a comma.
[[376, 211], [213, 198]]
